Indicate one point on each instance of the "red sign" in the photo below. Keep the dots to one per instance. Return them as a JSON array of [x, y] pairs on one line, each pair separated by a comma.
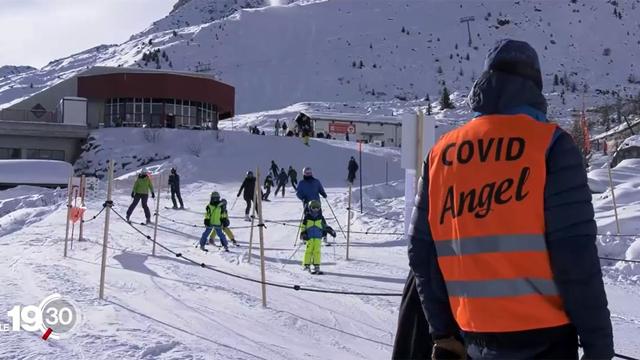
[[342, 128]]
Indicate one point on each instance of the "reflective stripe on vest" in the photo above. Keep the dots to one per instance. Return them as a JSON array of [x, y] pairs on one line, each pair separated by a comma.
[[486, 215]]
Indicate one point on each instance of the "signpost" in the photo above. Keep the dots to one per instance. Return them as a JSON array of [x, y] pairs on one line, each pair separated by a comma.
[[468, 19]]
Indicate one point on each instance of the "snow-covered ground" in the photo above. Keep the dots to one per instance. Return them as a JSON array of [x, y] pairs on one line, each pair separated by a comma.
[[160, 307]]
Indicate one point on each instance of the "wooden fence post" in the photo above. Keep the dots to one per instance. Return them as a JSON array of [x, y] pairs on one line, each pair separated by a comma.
[[106, 229]]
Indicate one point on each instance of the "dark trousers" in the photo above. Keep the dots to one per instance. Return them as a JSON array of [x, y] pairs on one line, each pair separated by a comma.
[[248, 208], [351, 177], [280, 186], [134, 203], [551, 343], [412, 337], [176, 193], [265, 196], [294, 183]]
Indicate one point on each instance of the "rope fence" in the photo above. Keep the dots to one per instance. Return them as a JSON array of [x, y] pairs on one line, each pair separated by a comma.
[[297, 287], [353, 232], [273, 284]]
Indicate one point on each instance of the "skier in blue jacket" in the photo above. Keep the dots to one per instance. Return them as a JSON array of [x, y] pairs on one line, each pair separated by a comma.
[[309, 188]]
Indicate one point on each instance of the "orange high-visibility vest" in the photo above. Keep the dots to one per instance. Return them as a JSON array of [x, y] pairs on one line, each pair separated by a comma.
[[486, 214]]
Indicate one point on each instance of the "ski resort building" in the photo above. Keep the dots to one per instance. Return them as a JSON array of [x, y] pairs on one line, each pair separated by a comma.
[[35, 127], [374, 129]]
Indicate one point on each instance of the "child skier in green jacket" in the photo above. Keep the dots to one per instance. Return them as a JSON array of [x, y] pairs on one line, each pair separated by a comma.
[[312, 229]]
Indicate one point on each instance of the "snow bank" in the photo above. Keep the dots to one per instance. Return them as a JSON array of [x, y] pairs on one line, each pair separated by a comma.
[[35, 172]]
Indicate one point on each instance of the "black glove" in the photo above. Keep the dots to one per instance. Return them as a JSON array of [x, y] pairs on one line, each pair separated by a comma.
[[331, 232], [304, 236], [225, 222], [133, 194], [324, 196], [449, 348], [207, 223], [153, 195]]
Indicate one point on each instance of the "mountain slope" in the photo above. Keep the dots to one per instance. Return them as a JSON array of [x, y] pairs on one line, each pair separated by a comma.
[[361, 50]]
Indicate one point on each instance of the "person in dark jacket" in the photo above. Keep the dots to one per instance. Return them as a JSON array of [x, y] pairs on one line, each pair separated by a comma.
[[174, 185], [412, 336], [277, 127], [140, 192], [352, 167], [268, 184], [274, 169], [284, 127], [511, 87], [249, 188], [293, 175], [283, 178], [309, 188]]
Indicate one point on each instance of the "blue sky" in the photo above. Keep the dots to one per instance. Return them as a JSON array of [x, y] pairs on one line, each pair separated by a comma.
[[34, 32]]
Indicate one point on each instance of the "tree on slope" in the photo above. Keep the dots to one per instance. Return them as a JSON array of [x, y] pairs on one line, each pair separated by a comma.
[[445, 100]]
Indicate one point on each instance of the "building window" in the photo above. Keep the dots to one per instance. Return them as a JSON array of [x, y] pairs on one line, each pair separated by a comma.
[[9, 153], [45, 154]]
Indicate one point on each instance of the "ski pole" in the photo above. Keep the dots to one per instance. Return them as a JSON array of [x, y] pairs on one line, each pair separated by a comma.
[[234, 203], [335, 217], [292, 255], [298, 232]]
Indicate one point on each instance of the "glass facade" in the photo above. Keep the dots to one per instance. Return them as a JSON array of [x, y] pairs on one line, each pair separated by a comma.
[[153, 112], [45, 154], [9, 153]]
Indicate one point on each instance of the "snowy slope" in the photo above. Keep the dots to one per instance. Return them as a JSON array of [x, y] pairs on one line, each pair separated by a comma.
[[162, 308], [202, 157], [277, 56]]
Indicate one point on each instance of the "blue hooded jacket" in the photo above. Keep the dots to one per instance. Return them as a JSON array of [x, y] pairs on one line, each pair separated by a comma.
[[310, 188], [570, 228]]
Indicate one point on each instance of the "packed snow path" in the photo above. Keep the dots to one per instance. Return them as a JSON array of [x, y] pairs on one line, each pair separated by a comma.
[[164, 307]]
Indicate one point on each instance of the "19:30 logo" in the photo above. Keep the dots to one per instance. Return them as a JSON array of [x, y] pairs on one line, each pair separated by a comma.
[[55, 317]]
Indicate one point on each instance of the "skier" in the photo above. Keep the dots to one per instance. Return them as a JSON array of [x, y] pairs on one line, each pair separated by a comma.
[[213, 222], [293, 175], [519, 273], [282, 182], [277, 127], [174, 184], [268, 184], [249, 187], [352, 167], [312, 229], [303, 122], [140, 191], [274, 169], [284, 127], [224, 219], [309, 188]]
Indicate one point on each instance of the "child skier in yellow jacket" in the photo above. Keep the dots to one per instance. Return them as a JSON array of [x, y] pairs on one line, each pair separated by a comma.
[[224, 219]]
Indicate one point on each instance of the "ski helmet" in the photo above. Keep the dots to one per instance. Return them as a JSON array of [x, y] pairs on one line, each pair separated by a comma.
[[250, 174], [173, 170], [215, 196], [314, 205], [307, 171]]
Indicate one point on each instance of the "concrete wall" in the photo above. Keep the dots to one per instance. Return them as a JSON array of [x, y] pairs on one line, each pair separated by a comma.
[[43, 136], [95, 113], [71, 147]]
